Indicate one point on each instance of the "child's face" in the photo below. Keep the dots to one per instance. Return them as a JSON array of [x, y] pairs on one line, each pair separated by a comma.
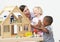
[[45, 22], [36, 11]]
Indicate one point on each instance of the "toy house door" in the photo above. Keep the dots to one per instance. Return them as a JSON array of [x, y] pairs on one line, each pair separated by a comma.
[[14, 29]]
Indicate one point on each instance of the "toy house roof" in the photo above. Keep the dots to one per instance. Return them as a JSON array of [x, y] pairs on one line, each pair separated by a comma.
[[4, 15], [8, 10]]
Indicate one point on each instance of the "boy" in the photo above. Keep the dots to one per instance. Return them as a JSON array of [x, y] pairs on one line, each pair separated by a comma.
[[46, 29], [36, 21]]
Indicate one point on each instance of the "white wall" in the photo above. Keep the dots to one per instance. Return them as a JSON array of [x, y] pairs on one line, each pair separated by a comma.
[[50, 7]]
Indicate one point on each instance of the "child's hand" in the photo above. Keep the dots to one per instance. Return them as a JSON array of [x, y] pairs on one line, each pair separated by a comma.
[[39, 23], [37, 26], [44, 29], [34, 26]]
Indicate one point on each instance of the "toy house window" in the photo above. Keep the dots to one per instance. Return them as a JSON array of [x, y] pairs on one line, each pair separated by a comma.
[[5, 16], [0, 30], [6, 28], [25, 27], [20, 28], [20, 18], [11, 18]]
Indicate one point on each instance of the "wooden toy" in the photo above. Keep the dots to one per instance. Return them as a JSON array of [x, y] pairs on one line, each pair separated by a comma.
[[28, 34], [13, 22]]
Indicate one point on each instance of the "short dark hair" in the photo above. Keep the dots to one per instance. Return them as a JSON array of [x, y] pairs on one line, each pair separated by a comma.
[[49, 19], [22, 7]]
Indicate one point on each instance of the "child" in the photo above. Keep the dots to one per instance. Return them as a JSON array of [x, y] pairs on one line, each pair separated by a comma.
[[36, 21], [47, 30]]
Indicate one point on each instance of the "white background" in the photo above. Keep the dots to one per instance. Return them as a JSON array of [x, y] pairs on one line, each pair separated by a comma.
[[50, 7]]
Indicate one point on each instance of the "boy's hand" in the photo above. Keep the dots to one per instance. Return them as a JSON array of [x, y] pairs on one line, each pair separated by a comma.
[[44, 29], [39, 23]]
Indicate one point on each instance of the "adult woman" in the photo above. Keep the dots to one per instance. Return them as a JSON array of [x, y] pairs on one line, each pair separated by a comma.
[[26, 11]]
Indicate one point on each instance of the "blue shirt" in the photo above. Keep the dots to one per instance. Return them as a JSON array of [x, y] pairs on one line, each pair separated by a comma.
[[48, 37]]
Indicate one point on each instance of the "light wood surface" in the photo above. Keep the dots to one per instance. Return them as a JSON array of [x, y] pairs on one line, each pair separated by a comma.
[[23, 39]]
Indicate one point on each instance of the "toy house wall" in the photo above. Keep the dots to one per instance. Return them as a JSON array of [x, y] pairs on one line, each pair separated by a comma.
[[6, 31]]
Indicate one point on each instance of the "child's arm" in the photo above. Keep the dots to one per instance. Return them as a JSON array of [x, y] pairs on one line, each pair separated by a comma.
[[38, 25], [34, 26], [44, 29]]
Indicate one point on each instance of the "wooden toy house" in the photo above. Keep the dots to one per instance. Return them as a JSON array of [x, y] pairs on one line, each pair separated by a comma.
[[13, 22]]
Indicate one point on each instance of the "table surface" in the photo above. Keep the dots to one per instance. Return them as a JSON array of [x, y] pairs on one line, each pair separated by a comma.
[[23, 39]]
